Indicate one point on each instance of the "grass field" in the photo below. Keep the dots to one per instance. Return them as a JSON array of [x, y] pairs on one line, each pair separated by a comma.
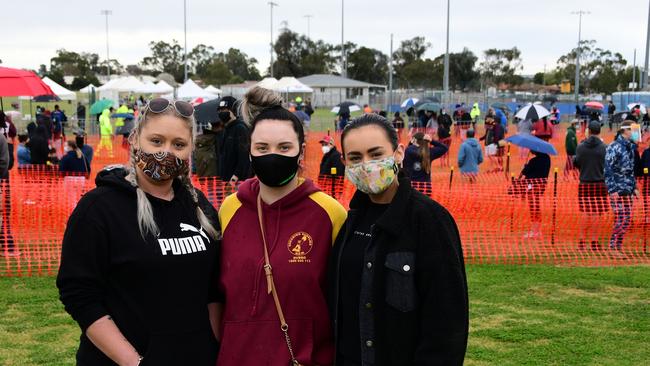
[[520, 315]]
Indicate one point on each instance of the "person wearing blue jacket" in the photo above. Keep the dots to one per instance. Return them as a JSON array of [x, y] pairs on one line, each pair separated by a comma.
[[470, 156], [501, 118], [621, 184]]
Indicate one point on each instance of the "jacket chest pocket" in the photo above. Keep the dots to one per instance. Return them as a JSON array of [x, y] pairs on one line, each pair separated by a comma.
[[400, 281]]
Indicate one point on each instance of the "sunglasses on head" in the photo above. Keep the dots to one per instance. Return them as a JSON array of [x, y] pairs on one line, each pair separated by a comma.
[[159, 105]]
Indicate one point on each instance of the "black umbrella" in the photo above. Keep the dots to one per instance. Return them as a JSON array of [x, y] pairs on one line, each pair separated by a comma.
[[532, 112], [205, 113], [426, 100], [345, 107], [620, 117], [46, 98]]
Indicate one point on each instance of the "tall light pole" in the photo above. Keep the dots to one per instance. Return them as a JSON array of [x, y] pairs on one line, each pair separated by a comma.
[[106, 13], [308, 25], [185, 35], [634, 72], [580, 13], [390, 76], [272, 4], [446, 73], [344, 68], [644, 80]]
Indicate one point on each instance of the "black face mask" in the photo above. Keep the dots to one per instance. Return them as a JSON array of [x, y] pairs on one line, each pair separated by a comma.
[[224, 116], [275, 170]]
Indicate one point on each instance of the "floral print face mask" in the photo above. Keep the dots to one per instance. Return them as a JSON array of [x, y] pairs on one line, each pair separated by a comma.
[[372, 177]]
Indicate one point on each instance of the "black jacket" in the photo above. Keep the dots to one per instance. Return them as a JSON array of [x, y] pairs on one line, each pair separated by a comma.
[[332, 160], [538, 167], [420, 315], [156, 289], [590, 159], [234, 154]]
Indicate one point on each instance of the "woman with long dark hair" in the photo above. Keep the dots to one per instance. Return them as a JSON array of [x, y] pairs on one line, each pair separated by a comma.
[[139, 263], [398, 292], [419, 155]]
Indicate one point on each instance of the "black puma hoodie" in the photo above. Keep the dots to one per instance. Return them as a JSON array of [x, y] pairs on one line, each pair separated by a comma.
[[156, 289]]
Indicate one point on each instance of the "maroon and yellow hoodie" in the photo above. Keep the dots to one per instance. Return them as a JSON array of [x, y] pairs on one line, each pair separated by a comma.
[[300, 230]]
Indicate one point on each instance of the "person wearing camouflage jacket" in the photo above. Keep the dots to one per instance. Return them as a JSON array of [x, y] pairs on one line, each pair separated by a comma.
[[621, 184]]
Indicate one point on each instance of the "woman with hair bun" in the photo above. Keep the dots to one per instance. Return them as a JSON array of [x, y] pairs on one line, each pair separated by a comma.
[[139, 259], [278, 230]]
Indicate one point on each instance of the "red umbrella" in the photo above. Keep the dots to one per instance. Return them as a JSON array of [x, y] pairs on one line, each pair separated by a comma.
[[15, 82], [595, 105]]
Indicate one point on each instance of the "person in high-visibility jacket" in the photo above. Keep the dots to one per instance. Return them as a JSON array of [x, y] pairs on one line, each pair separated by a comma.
[[106, 132], [475, 113], [119, 122]]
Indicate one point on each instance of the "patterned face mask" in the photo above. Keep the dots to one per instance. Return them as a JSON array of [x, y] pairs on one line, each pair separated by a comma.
[[161, 166], [372, 177]]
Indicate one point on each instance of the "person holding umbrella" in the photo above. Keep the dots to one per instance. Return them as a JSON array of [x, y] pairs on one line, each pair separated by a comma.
[[534, 178]]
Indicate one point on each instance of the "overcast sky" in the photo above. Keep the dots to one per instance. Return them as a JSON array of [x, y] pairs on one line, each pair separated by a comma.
[[542, 29]]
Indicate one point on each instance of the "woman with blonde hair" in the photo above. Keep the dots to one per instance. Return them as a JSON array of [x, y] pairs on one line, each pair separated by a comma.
[[139, 259], [278, 230]]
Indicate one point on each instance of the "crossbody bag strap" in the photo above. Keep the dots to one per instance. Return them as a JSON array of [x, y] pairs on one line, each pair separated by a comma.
[[270, 285]]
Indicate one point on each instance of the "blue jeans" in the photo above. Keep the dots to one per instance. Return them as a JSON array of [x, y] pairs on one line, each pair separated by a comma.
[[622, 208]]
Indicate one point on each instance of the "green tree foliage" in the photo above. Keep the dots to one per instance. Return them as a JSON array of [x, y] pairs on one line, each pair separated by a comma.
[[165, 57], [600, 70], [83, 66], [220, 68], [502, 66], [240, 64], [368, 64], [407, 61], [462, 74], [299, 56]]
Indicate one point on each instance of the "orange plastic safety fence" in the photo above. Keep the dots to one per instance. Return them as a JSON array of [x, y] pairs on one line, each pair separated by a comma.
[[500, 219]]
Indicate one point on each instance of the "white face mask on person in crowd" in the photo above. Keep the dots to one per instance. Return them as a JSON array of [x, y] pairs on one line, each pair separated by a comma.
[[326, 149]]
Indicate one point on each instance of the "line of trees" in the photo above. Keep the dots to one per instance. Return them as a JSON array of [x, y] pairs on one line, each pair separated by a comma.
[[297, 55]]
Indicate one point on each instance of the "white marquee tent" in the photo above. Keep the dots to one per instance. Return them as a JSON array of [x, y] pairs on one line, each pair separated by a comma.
[[289, 84], [268, 83], [190, 90], [163, 87], [213, 90], [59, 90], [88, 89], [123, 84]]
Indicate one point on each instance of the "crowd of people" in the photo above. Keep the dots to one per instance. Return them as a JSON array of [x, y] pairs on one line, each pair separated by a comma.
[[606, 180]]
